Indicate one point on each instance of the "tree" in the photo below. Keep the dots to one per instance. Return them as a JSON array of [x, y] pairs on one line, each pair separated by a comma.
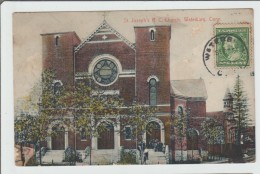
[[89, 107], [33, 122], [180, 124], [240, 111], [137, 118], [192, 136], [212, 132], [21, 126]]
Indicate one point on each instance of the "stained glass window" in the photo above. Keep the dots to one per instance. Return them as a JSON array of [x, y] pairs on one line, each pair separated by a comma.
[[105, 72], [57, 88], [153, 92], [128, 132]]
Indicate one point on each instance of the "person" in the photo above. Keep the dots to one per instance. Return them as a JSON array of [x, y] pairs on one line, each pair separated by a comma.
[[144, 159], [146, 153]]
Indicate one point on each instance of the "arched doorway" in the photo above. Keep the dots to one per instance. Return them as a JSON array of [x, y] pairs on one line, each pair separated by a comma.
[[153, 133], [106, 136], [58, 138], [192, 139]]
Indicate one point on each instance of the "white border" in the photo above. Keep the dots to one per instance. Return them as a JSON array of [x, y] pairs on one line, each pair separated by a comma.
[[7, 150]]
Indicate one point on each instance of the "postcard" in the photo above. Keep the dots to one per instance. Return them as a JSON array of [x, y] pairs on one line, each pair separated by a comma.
[[133, 88]]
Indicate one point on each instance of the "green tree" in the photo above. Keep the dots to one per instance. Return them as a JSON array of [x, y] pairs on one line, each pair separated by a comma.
[[21, 126], [89, 107], [240, 111], [180, 124], [212, 132], [138, 117], [37, 112]]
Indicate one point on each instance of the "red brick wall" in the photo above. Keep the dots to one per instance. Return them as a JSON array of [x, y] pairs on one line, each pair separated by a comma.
[[176, 102], [59, 57], [124, 53], [121, 51], [153, 58], [81, 145], [197, 108]]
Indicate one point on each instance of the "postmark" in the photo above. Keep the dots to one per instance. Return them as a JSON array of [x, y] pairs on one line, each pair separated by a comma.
[[228, 50]]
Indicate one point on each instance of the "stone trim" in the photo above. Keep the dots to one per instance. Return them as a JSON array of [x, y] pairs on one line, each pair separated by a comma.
[[108, 28]]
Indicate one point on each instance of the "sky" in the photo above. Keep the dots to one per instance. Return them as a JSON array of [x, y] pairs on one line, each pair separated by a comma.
[[190, 31]]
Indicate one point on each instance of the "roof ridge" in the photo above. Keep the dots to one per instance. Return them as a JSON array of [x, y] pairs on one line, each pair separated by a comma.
[[104, 23], [180, 93]]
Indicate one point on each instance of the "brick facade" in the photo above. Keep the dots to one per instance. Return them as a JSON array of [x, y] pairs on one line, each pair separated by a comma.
[[137, 64], [74, 59]]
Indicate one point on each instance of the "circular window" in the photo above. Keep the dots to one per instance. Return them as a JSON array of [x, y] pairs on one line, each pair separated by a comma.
[[105, 72]]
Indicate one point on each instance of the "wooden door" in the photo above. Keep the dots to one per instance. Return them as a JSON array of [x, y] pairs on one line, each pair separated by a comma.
[[106, 138], [58, 139]]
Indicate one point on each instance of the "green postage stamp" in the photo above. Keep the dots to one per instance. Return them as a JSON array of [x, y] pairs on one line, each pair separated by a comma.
[[232, 46]]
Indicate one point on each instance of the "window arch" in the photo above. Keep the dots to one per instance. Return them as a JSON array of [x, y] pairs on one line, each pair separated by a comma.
[[83, 135], [192, 139], [57, 40], [57, 88], [180, 110], [152, 35], [153, 91], [128, 132]]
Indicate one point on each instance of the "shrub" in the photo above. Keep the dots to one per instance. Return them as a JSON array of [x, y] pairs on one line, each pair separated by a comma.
[[71, 156], [128, 157]]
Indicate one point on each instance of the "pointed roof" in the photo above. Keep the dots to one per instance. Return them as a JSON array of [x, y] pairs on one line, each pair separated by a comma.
[[106, 29], [190, 88], [228, 95]]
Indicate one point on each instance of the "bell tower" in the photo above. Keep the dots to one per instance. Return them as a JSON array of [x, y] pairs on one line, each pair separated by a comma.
[[153, 65], [57, 54], [228, 102]]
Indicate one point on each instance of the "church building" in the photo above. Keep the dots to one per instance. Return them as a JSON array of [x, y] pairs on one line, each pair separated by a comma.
[[135, 71]]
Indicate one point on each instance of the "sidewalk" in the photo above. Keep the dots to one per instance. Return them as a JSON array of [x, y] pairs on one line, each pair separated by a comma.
[[223, 160]]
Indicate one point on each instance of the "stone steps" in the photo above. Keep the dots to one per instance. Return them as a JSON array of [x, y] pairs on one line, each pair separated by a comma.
[[155, 157], [55, 156], [102, 157]]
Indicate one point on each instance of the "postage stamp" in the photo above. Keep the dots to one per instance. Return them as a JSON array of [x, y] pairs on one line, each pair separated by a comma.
[[232, 47]]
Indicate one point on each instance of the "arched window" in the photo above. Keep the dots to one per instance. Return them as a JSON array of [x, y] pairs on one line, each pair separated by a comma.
[[57, 40], [128, 133], [153, 92], [83, 135], [152, 38], [180, 111], [57, 88]]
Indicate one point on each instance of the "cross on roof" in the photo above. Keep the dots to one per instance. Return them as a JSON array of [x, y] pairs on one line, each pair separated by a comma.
[[104, 15]]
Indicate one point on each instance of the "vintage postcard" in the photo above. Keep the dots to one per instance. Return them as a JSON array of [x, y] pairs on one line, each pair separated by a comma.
[[134, 87]]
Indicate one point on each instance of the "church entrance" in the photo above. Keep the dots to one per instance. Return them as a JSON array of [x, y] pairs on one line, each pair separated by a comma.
[[153, 134], [58, 138], [106, 136]]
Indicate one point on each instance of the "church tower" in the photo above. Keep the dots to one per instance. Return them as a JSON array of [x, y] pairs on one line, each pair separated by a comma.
[[57, 54], [229, 120], [153, 65], [228, 102]]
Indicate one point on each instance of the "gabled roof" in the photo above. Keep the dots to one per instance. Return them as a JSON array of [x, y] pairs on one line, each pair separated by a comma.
[[228, 95], [190, 88], [106, 29]]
